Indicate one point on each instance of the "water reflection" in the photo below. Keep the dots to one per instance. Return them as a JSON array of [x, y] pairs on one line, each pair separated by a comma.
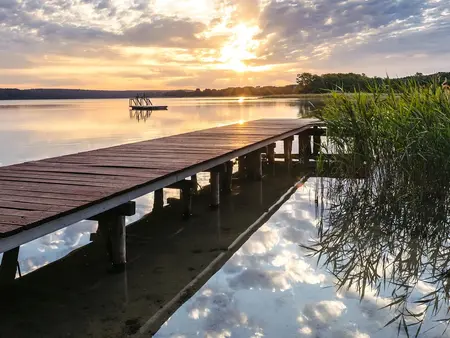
[[271, 287], [376, 234], [140, 115]]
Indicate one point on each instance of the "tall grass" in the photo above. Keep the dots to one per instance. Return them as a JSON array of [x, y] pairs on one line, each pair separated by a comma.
[[392, 227]]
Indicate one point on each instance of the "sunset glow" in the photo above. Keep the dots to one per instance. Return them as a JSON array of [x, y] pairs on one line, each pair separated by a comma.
[[170, 44], [240, 48]]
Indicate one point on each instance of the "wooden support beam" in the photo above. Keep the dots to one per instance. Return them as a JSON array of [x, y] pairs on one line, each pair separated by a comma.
[[316, 141], [226, 177], [316, 131], [8, 268], [186, 198], [126, 209], [111, 225], [304, 148], [255, 165], [271, 153], [242, 165], [186, 187], [215, 188], [194, 183], [288, 150], [158, 200]]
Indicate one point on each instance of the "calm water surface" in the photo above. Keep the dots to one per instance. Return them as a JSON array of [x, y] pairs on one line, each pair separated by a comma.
[[33, 130], [272, 288]]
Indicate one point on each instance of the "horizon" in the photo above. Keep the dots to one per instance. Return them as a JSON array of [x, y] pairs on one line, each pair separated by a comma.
[[191, 89], [168, 44]]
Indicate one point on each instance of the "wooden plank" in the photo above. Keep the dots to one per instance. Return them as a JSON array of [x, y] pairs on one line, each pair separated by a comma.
[[32, 206], [59, 188], [67, 176], [9, 229], [170, 167], [47, 196], [24, 213], [154, 162], [80, 183], [22, 221], [81, 169], [39, 200]]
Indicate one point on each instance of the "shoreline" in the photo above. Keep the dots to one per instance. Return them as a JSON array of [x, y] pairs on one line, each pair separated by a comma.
[[280, 96]]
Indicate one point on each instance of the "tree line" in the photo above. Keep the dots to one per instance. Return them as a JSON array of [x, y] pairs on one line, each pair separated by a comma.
[[307, 83], [349, 82], [37, 94]]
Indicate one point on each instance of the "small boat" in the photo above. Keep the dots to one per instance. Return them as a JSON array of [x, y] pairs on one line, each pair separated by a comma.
[[143, 103]]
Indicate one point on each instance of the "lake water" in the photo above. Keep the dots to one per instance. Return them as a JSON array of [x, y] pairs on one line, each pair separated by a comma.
[[269, 287], [33, 130]]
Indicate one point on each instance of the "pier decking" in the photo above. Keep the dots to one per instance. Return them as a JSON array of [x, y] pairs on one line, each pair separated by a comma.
[[40, 197]]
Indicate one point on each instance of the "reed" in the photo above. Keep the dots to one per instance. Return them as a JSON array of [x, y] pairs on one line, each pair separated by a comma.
[[390, 230]]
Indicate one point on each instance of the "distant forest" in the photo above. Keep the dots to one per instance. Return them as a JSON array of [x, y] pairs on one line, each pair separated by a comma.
[[307, 83], [36, 94]]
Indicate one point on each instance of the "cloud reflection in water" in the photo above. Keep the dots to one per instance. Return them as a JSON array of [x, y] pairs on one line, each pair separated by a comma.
[[271, 288]]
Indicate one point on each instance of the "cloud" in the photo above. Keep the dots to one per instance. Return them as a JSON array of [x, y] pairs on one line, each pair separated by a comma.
[[268, 41], [167, 32], [317, 33]]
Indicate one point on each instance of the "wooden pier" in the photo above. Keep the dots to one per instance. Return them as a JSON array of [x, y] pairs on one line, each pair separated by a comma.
[[40, 197]]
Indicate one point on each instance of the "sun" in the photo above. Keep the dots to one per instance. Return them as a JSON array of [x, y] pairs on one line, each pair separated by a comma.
[[240, 48]]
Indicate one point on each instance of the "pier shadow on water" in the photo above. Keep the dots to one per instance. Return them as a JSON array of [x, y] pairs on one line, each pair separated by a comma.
[[77, 297]]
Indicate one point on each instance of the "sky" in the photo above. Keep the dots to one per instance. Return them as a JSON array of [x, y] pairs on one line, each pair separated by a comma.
[[173, 44]]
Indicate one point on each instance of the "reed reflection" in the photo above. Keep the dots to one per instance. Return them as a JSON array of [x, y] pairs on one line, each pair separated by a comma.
[[387, 233]]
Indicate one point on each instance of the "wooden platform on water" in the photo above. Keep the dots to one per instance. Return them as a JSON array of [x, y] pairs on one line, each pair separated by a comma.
[[148, 107], [40, 197]]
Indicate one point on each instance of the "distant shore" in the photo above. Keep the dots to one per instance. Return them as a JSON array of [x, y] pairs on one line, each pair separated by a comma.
[[93, 97], [54, 94], [295, 96]]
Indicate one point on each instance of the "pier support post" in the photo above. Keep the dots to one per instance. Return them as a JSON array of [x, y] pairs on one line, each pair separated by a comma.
[[271, 153], [111, 225], [194, 183], [186, 197], [288, 150], [242, 164], [227, 177], [215, 188], [316, 141], [158, 202], [8, 268], [304, 148], [255, 165], [186, 187]]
